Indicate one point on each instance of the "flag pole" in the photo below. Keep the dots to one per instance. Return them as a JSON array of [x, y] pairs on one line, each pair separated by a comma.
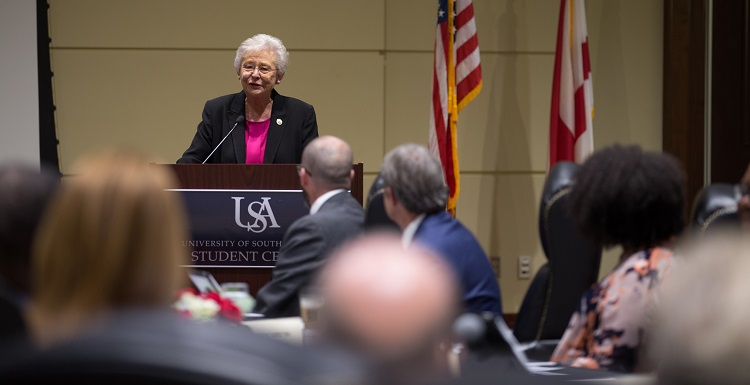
[[452, 109]]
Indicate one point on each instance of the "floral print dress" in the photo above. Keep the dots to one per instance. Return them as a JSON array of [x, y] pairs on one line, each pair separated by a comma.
[[607, 328]]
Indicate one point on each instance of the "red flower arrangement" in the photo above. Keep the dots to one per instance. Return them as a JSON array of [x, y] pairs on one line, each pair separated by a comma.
[[206, 306]]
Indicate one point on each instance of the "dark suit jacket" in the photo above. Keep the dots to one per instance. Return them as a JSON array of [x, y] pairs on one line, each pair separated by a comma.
[[285, 141], [304, 250], [458, 245]]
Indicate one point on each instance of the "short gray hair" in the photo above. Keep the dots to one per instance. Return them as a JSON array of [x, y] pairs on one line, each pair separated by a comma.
[[416, 178], [329, 160], [263, 42]]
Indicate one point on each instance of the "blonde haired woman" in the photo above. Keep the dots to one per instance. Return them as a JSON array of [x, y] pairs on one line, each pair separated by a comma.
[[110, 241]]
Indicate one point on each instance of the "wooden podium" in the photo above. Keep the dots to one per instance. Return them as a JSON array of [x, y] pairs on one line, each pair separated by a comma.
[[248, 177]]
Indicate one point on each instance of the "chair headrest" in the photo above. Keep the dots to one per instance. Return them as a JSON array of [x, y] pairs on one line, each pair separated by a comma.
[[375, 215], [559, 180], [715, 204], [376, 189], [561, 175]]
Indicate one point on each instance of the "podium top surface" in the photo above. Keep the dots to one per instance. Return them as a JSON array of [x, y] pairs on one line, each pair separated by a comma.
[[249, 177]]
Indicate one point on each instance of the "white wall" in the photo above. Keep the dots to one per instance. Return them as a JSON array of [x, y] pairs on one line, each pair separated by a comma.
[[19, 100]]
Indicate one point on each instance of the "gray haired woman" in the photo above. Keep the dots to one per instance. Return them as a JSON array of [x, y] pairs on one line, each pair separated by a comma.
[[256, 125]]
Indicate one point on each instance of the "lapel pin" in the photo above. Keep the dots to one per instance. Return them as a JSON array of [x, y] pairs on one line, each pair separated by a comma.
[[278, 122]]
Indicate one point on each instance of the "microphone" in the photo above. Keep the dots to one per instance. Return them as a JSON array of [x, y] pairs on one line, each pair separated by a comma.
[[240, 119], [470, 328], [483, 333]]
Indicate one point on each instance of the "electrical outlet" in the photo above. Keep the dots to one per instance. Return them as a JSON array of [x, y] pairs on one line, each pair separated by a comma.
[[524, 267], [495, 261]]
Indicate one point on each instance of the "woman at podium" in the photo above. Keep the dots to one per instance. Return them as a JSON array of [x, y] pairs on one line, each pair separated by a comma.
[[256, 125]]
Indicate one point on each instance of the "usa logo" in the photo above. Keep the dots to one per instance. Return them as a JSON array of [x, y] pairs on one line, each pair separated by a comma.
[[260, 211]]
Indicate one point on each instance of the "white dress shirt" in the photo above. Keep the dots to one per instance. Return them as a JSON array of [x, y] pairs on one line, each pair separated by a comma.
[[410, 230], [323, 199]]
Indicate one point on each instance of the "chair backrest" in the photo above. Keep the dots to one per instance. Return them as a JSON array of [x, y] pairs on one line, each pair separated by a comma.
[[375, 215], [715, 207], [572, 267]]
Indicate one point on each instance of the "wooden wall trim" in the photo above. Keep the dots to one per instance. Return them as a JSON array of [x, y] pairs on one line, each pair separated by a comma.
[[684, 87], [730, 90]]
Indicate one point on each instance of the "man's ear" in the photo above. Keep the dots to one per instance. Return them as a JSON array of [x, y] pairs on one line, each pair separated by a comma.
[[389, 195], [304, 179]]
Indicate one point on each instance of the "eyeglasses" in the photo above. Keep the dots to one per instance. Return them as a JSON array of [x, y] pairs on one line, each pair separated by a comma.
[[299, 170], [263, 69]]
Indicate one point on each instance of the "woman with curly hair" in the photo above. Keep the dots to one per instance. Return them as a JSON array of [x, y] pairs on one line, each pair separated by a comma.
[[635, 199]]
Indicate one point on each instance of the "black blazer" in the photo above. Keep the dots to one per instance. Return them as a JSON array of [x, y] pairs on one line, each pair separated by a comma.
[[304, 250], [293, 125]]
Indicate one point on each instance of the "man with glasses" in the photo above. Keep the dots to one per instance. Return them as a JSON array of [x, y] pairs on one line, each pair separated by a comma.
[[325, 174]]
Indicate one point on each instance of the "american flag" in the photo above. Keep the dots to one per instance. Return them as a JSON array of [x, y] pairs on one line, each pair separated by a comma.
[[457, 79], [571, 123]]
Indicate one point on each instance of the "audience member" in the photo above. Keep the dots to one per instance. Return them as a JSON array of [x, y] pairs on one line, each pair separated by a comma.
[[700, 335], [398, 319], [24, 193], [335, 217], [415, 198], [634, 199], [743, 205], [109, 241]]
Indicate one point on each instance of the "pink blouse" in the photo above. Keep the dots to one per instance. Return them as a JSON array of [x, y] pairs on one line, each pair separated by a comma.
[[255, 140]]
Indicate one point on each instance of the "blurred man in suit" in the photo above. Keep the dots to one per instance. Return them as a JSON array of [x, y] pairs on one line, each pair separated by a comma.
[[335, 217], [415, 198], [24, 193], [391, 306]]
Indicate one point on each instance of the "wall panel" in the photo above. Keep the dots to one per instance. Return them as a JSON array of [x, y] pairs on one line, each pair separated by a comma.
[[174, 24]]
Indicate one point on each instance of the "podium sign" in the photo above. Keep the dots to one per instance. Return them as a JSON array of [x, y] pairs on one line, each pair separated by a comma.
[[248, 178], [239, 228]]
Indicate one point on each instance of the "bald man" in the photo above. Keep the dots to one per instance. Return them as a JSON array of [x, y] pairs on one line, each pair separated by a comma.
[[391, 305], [335, 217]]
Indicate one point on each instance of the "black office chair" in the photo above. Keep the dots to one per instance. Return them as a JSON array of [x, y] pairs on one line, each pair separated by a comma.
[[375, 215], [715, 208], [572, 267], [160, 348]]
